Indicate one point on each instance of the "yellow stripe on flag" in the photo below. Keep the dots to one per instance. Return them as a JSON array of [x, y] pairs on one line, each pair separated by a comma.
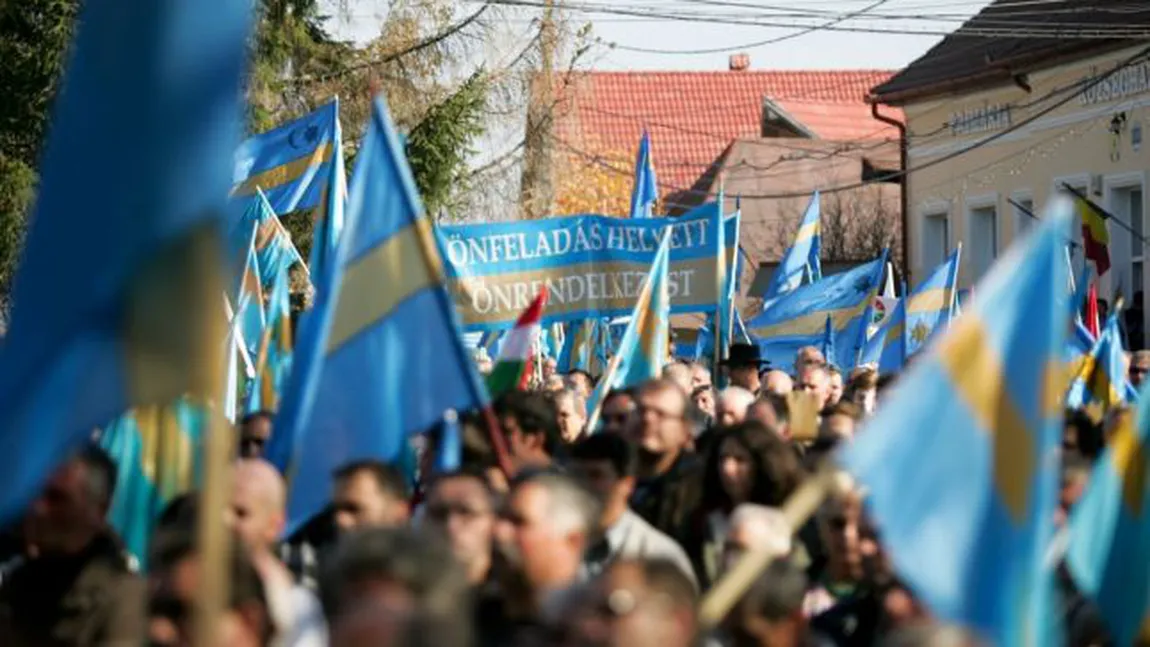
[[814, 323], [934, 300], [382, 279], [806, 232], [1129, 458], [1092, 221], [284, 173], [977, 374]]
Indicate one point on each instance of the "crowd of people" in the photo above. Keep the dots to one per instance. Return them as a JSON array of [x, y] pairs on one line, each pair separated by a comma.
[[605, 538]]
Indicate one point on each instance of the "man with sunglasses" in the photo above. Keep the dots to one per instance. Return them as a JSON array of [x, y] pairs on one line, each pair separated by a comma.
[[461, 506]]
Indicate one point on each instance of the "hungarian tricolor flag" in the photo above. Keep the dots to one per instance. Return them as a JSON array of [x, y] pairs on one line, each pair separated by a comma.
[[1095, 237], [513, 370]]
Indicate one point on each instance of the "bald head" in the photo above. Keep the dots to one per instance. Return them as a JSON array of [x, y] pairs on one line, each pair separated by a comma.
[[778, 383], [680, 374], [733, 404], [258, 501]]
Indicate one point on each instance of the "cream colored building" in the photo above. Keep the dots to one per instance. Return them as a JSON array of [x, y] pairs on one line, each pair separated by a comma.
[[995, 128]]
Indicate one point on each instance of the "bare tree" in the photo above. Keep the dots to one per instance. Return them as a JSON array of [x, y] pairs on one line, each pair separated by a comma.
[[856, 225]]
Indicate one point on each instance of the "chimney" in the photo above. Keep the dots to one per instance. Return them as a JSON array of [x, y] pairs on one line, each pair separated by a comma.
[[740, 62]]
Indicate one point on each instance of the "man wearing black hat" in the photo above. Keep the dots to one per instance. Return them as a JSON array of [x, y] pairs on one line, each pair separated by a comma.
[[743, 365]]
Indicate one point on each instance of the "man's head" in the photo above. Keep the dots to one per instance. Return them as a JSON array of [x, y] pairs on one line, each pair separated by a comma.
[[549, 367], [636, 603], [571, 414], [544, 529], [1139, 366], [835, 380], [809, 355], [771, 611], [733, 404], [462, 507], [839, 422], [663, 428], [370, 493], [175, 574], [680, 374], [70, 509], [620, 413], [257, 507], [862, 389], [255, 431], [704, 400], [581, 381], [395, 587], [772, 412], [813, 378], [839, 522], [530, 426], [778, 383], [606, 464], [700, 375]]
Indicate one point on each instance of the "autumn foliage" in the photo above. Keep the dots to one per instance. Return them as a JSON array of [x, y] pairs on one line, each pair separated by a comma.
[[599, 185]]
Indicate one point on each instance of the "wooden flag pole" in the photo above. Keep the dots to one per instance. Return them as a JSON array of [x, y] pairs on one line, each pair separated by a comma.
[[723, 596]]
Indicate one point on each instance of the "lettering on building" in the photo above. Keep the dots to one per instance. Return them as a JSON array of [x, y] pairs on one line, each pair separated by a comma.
[[980, 120], [1126, 82]]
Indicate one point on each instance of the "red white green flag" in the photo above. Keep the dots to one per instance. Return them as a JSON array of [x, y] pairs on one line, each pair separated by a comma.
[[513, 370]]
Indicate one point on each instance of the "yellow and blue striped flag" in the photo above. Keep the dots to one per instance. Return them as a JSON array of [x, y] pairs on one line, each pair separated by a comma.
[[1101, 380], [1109, 552], [643, 350], [291, 164], [328, 220], [157, 454], [380, 355], [147, 118], [273, 244], [802, 258], [798, 318], [273, 360], [930, 307], [975, 427], [578, 351]]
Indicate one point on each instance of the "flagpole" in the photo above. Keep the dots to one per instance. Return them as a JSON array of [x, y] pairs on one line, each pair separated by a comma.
[[617, 358]]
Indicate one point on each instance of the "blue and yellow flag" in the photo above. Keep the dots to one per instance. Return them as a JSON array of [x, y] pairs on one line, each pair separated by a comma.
[[1101, 380], [328, 220], [250, 300], [380, 355], [798, 318], [273, 359], [646, 191], [157, 454], [975, 427], [930, 307], [292, 164], [579, 347], [273, 244], [1109, 552], [146, 119], [801, 259], [643, 350]]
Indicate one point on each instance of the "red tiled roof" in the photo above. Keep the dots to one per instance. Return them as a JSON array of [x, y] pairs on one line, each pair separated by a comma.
[[694, 116]]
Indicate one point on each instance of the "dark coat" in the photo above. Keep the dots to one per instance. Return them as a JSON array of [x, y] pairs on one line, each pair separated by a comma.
[[92, 598], [668, 501]]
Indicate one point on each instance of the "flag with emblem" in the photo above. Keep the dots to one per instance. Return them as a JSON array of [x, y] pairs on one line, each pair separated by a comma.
[[291, 164], [513, 369], [1109, 552], [975, 426], [146, 118], [380, 355], [932, 305], [887, 347], [798, 318], [801, 259], [645, 192], [1095, 236]]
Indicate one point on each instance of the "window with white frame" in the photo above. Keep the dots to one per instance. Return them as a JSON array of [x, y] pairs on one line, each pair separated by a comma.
[[1137, 247], [935, 239], [983, 239]]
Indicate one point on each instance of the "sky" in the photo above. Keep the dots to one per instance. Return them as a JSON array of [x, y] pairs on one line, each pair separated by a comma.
[[817, 49]]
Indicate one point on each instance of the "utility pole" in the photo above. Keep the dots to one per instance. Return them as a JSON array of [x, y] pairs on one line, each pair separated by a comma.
[[537, 191]]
